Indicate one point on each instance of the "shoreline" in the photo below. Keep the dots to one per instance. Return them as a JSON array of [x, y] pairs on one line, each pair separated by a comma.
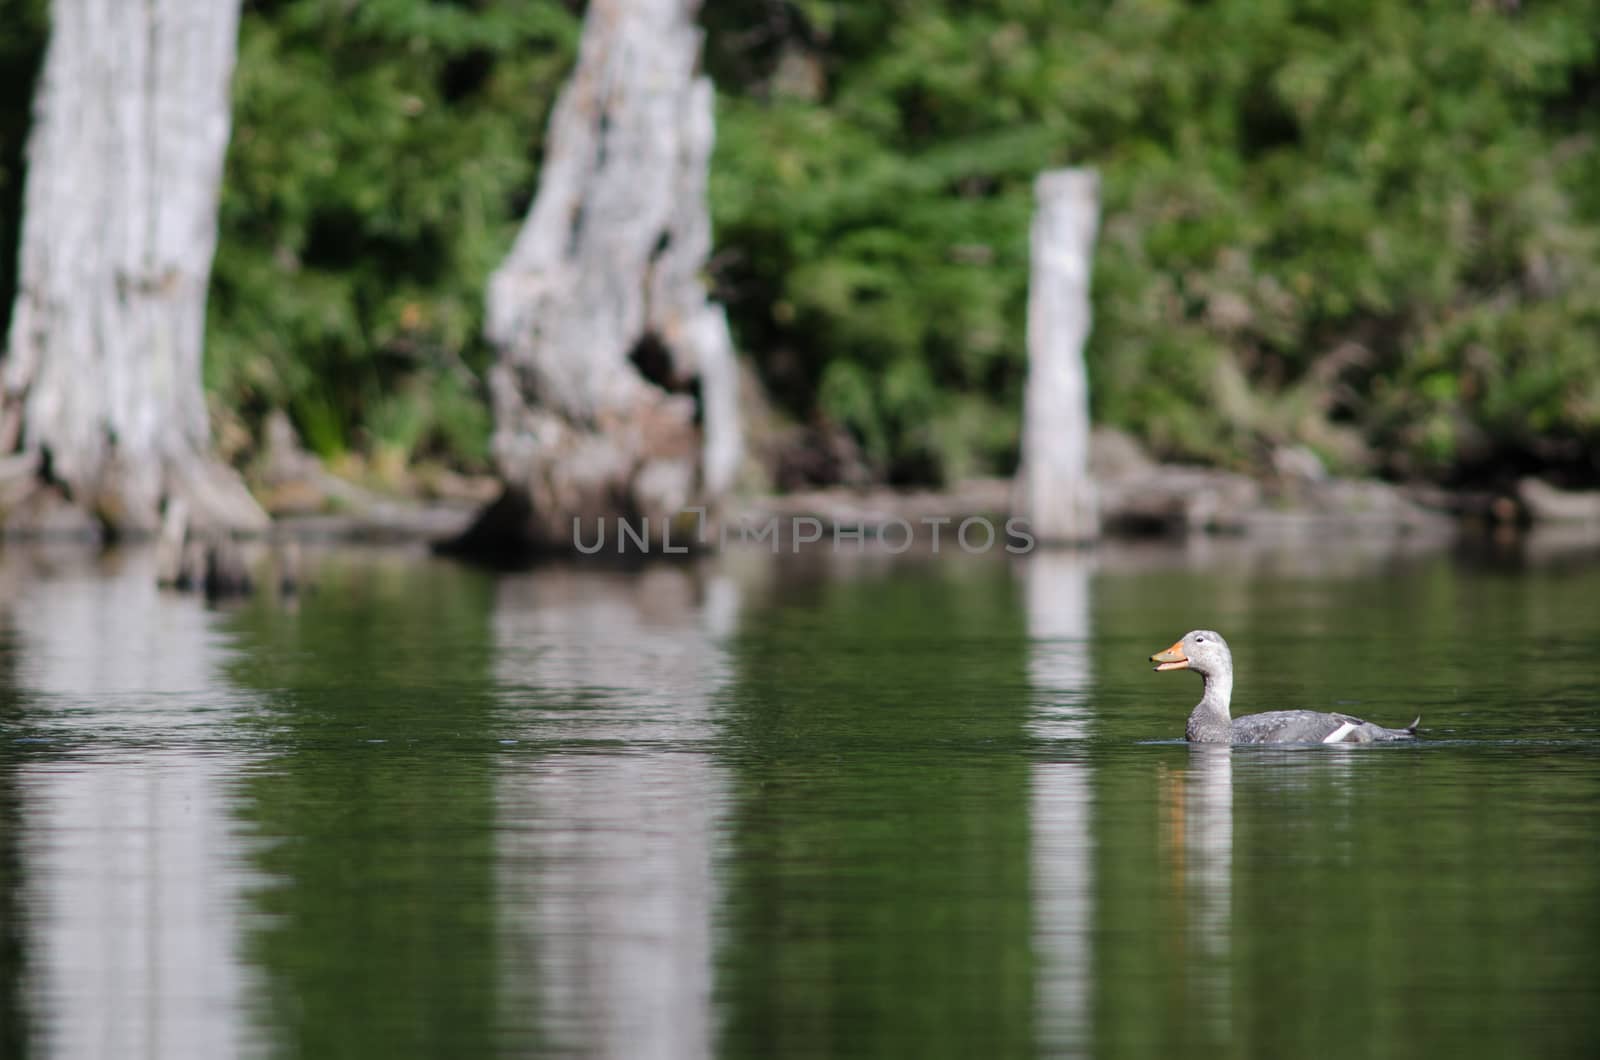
[[1157, 502]]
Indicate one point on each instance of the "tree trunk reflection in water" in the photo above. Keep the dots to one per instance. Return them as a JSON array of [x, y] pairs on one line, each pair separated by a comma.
[[131, 902], [1057, 592], [1198, 805], [606, 861]]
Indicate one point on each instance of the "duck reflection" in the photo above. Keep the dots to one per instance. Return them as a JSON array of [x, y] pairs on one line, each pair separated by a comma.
[[1197, 811], [1056, 585], [129, 908], [1290, 779], [607, 845]]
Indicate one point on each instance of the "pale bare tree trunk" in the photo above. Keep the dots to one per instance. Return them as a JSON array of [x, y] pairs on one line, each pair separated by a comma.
[[100, 387], [1056, 492], [615, 390]]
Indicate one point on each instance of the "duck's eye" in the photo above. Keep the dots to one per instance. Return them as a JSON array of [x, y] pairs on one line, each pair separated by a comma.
[[1199, 640]]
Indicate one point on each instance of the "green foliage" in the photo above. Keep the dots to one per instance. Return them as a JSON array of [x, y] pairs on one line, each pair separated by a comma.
[[1368, 226], [21, 52], [1386, 212], [383, 155]]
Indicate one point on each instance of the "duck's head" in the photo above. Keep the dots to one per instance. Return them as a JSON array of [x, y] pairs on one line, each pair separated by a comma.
[[1201, 650]]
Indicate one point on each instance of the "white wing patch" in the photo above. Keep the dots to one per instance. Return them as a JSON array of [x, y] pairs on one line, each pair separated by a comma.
[[1340, 733]]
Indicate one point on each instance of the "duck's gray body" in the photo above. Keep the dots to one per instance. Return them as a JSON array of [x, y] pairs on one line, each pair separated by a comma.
[[1207, 654], [1293, 726]]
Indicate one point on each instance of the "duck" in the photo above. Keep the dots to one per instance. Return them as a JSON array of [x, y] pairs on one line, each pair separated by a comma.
[[1207, 654]]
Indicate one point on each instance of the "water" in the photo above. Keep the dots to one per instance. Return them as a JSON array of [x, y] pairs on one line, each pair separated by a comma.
[[927, 806]]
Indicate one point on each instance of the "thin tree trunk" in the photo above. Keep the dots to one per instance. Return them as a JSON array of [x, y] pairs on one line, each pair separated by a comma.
[[1056, 491], [100, 388], [615, 390]]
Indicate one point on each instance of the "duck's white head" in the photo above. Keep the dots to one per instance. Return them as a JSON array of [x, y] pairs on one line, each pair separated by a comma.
[[1201, 650]]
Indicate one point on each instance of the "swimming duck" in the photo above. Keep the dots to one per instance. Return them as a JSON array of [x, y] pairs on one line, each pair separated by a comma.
[[1207, 654]]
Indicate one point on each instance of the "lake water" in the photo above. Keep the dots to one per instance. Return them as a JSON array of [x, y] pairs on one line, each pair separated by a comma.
[[799, 806]]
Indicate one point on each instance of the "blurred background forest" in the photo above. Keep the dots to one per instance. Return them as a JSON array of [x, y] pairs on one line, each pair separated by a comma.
[[1372, 228]]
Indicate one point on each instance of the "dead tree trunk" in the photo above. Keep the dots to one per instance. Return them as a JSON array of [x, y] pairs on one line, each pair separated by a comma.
[[1056, 492], [101, 401], [615, 390]]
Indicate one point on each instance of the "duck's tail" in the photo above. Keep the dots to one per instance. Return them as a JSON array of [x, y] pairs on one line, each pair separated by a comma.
[[1382, 733]]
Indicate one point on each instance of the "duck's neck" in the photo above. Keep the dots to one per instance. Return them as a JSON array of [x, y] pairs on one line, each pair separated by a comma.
[[1210, 722]]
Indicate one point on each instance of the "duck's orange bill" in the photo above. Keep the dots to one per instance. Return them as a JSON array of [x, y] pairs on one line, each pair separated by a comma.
[[1171, 659]]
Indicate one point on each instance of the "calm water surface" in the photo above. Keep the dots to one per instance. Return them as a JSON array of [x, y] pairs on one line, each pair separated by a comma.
[[814, 805]]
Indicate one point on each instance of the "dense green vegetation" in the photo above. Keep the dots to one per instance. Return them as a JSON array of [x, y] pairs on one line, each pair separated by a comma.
[[1371, 227], [1368, 226], [382, 158], [21, 50]]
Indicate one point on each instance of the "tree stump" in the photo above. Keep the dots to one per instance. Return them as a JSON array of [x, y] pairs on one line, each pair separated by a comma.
[[1056, 492], [100, 385], [197, 560], [615, 389]]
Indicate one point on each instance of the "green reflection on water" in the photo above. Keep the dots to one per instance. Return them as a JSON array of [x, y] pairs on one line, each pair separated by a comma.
[[947, 809], [374, 814], [878, 885], [1435, 899]]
